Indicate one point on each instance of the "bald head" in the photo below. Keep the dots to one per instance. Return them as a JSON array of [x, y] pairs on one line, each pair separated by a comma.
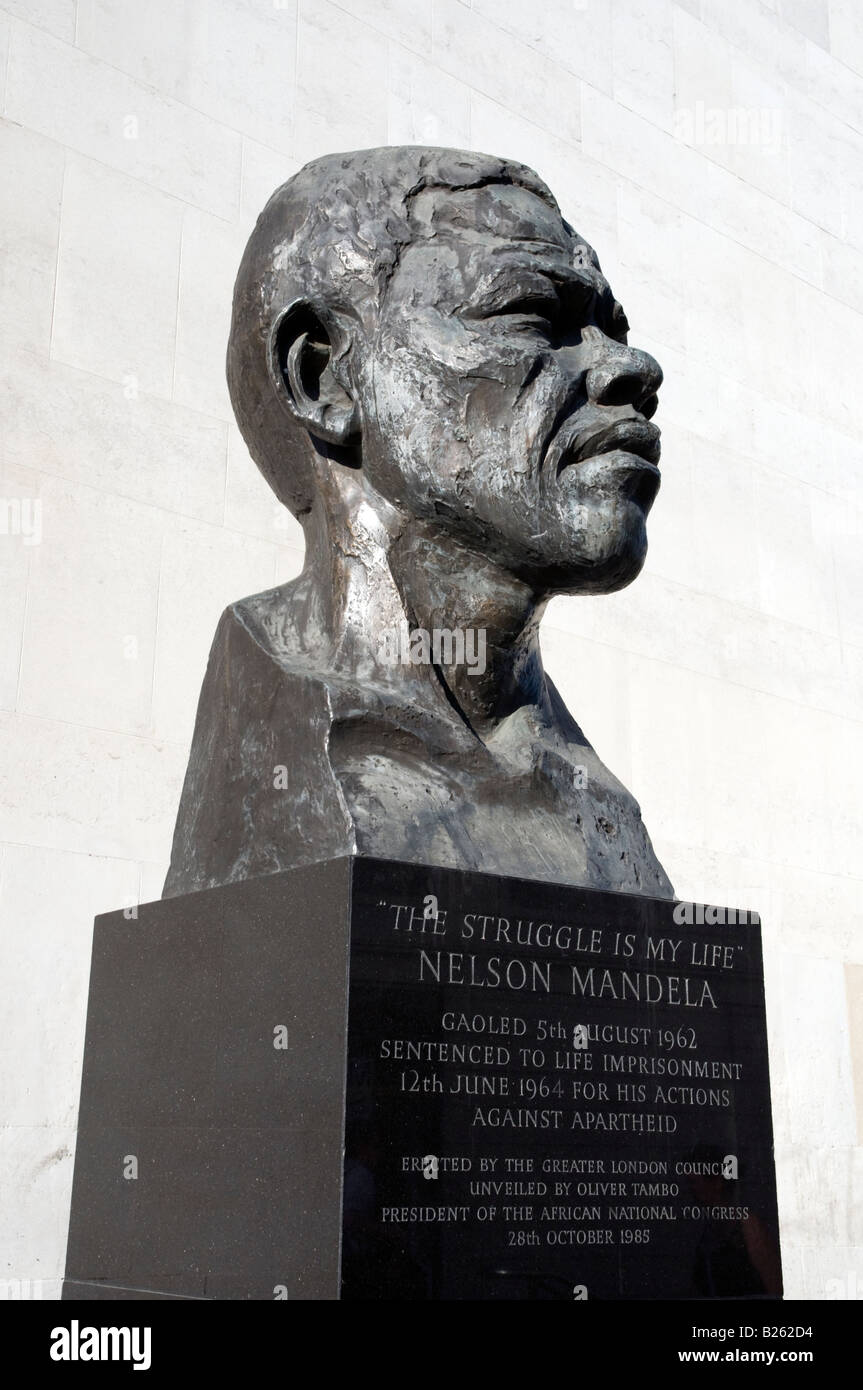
[[318, 261]]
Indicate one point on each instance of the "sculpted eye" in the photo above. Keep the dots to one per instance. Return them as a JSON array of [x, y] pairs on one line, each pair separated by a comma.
[[532, 299], [535, 306], [544, 308], [580, 299]]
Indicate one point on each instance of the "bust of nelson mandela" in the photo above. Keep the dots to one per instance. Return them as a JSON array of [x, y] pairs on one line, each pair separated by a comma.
[[431, 372]]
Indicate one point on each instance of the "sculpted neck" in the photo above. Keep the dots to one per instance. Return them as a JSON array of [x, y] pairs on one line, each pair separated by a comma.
[[397, 602]]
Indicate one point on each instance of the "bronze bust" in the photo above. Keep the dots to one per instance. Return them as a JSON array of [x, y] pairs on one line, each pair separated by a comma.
[[431, 371]]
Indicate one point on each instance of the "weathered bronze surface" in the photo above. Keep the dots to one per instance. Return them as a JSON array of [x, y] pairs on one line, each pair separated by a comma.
[[432, 373]]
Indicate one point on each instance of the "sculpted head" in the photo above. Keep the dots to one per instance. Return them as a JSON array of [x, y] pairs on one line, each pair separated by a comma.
[[419, 331]]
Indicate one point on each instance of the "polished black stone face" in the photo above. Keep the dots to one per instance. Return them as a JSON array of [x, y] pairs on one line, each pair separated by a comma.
[[534, 1090], [208, 1159], [553, 1093]]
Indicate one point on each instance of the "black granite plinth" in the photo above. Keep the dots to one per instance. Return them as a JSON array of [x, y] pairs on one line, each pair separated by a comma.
[[374, 1080]]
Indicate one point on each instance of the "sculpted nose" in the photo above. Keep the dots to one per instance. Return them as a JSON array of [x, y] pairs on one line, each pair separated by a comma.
[[624, 376]]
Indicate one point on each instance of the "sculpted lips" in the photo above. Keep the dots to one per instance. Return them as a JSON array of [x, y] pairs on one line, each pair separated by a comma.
[[631, 436]]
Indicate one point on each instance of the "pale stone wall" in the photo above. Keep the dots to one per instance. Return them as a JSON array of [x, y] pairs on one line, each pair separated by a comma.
[[713, 152]]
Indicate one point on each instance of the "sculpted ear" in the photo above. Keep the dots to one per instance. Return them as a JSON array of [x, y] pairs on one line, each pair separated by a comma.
[[305, 364]]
